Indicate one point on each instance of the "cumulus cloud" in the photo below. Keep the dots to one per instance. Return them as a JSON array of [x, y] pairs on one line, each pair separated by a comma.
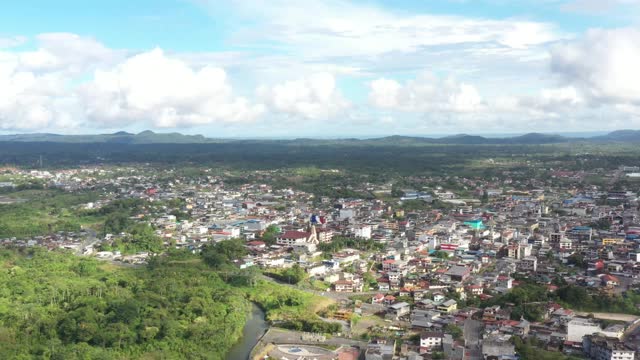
[[603, 65], [31, 100], [425, 93], [165, 91], [68, 53], [314, 97]]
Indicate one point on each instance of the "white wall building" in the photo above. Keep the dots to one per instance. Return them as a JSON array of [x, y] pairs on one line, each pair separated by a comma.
[[579, 327]]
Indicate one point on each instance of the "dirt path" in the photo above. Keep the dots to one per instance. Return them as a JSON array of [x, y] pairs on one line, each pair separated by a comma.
[[610, 316]]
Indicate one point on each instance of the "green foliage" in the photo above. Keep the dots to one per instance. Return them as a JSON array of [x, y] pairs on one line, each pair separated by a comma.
[[579, 298], [58, 306], [270, 234], [292, 275], [415, 205], [140, 237], [532, 350], [338, 243], [221, 254], [441, 254], [601, 224], [577, 260], [454, 330], [315, 326], [43, 212], [529, 299], [290, 308], [526, 299]]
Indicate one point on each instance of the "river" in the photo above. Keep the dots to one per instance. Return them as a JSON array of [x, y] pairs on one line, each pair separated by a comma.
[[253, 330]]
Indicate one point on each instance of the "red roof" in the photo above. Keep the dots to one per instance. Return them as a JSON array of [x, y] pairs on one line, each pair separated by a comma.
[[344, 282], [295, 235]]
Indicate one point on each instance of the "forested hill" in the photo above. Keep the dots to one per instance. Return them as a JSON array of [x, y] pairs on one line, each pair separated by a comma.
[[150, 137], [57, 306], [121, 137]]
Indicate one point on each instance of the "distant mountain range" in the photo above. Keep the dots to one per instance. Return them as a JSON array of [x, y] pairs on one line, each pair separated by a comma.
[[150, 137], [120, 137]]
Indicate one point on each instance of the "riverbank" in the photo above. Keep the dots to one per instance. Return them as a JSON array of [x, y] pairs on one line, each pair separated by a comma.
[[253, 330]]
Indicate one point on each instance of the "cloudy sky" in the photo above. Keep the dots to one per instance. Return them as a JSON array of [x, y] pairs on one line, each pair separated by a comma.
[[324, 68]]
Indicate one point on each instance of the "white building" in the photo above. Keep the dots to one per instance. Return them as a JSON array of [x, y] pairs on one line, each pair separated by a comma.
[[603, 348], [429, 340], [579, 327], [363, 232]]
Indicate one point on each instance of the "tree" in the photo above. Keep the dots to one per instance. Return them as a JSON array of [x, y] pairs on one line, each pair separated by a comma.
[[441, 254], [454, 330], [223, 253], [270, 234]]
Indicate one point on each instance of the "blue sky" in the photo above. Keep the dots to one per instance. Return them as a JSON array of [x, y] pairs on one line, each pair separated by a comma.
[[319, 67]]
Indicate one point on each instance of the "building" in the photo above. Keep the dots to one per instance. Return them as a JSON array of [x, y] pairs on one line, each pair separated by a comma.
[[458, 273], [529, 263], [577, 328], [299, 239], [380, 349], [362, 232], [325, 235], [555, 238], [347, 286], [599, 347], [398, 310], [291, 238], [494, 347], [504, 282], [430, 340], [565, 244], [448, 306]]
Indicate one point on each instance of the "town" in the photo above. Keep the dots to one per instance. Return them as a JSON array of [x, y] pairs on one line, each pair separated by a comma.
[[427, 267]]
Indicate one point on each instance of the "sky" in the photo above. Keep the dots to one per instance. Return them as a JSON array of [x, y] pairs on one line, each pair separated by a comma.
[[323, 68]]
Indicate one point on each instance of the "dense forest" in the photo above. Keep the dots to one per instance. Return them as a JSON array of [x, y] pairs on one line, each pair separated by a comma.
[[362, 157], [54, 305]]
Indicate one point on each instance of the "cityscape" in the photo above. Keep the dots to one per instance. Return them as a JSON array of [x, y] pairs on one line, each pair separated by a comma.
[[320, 180]]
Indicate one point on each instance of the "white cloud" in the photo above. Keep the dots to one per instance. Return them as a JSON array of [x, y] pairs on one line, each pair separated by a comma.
[[341, 28], [166, 92], [9, 42], [314, 97], [69, 53], [597, 6], [603, 65], [425, 93], [332, 30], [32, 101]]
